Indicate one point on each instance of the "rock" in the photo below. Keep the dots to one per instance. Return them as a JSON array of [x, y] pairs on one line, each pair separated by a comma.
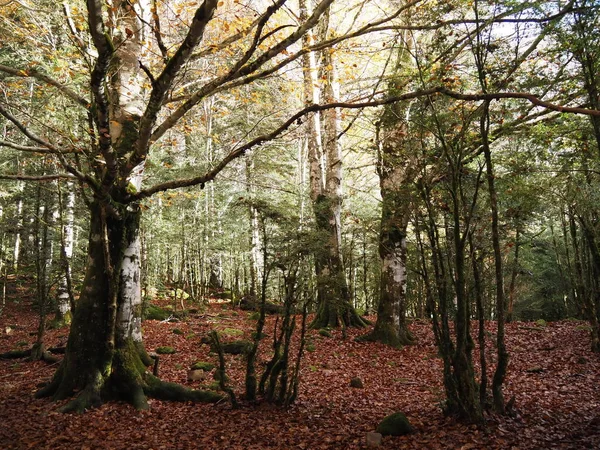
[[196, 375], [236, 347], [356, 383], [204, 366], [165, 350], [373, 439], [395, 424], [217, 376], [324, 332], [535, 369]]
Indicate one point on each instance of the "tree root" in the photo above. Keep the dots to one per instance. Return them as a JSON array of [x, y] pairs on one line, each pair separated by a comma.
[[32, 354], [389, 337], [164, 390]]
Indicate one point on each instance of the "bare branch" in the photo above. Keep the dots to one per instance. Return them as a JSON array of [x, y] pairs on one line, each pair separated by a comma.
[[53, 149], [240, 151], [25, 148], [164, 81], [51, 177], [238, 72], [33, 73]]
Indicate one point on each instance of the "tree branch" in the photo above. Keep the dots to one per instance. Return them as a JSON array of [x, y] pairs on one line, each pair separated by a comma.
[[105, 52], [25, 148], [164, 81], [51, 148], [51, 177], [240, 151], [33, 73], [237, 71]]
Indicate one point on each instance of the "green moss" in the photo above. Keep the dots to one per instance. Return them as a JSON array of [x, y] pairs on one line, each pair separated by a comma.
[[578, 327], [541, 323], [22, 344], [310, 347], [395, 424], [163, 390], [201, 365], [238, 347], [324, 332], [154, 312], [166, 350], [214, 386], [231, 332], [254, 316], [177, 331], [217, 376]]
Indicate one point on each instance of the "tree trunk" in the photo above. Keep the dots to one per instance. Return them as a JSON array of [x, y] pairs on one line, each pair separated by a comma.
[[335, 307], [105, 357], [64, 290]]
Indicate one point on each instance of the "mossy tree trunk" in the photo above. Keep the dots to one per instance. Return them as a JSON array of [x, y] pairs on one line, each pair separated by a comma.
[[335, 307], [105, 356], [396, 168]]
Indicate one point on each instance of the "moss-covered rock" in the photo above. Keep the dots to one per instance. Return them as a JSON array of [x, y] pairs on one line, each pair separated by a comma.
[[154, 312], [254, 316], [217, 376], [395, 424], [310, 347], [177, 331], [541, 323], [202, 365], [231, 332], [324, 332], [356, 383], [236, 347], [166, 350]]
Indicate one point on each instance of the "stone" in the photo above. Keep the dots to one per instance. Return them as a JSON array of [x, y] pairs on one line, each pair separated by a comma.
[[196, 375], [166, 350], [373, 439], [395, 424], [356, 383], [201, 365]]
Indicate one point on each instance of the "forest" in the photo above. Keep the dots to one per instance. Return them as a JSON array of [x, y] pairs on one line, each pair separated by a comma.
[[299, 224]]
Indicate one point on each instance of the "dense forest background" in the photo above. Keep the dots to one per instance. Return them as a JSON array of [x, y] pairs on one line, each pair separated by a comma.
[[342, 164]]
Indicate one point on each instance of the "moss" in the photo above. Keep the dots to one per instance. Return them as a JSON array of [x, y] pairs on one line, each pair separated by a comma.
[[154, 312], [310, 347], [217, 376], [201, 365], [214, 386], [254, 316], [578, 327], [324, 332], [166, 350], [541, 323], [395, 424], [231, 332], [163, 390], [235, 347], [177, 331]]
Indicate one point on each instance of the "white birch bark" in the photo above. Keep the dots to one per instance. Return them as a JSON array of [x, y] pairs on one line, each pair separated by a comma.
[[68, 241]]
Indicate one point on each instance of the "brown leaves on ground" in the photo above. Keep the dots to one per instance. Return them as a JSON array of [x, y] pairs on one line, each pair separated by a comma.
[[556, 407]]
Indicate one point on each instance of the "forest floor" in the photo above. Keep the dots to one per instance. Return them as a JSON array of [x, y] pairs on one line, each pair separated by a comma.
[[552, 374]]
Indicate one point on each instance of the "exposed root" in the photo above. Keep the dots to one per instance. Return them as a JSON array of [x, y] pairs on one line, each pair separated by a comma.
[[163, 390], [389, 336]]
